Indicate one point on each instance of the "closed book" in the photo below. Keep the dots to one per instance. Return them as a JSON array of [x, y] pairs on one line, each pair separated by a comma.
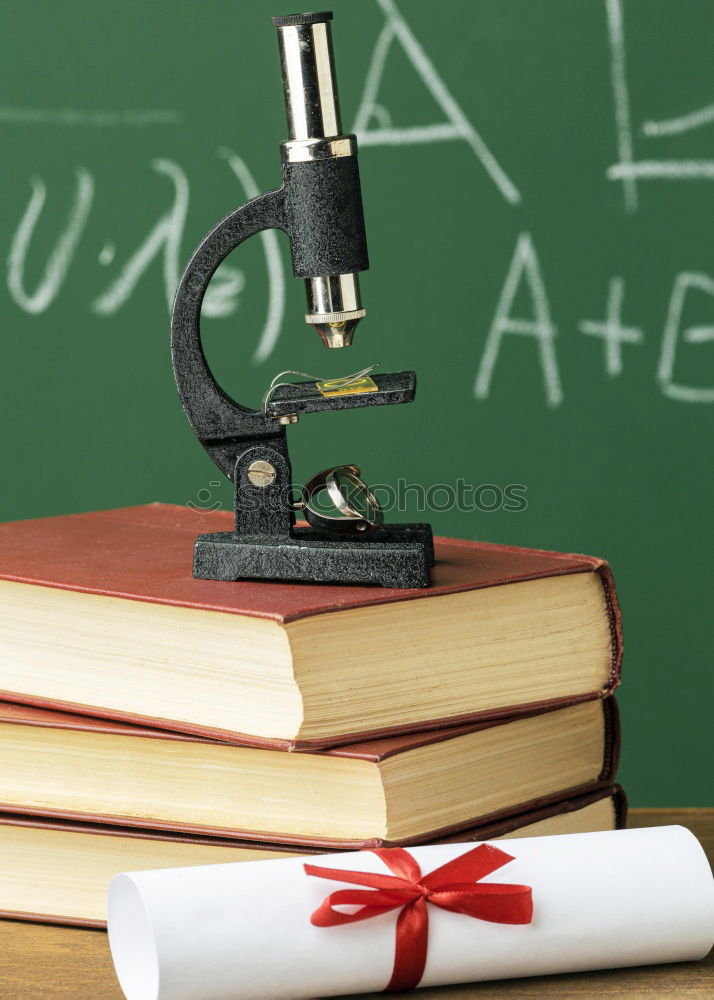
[[99, 613], [395, 790], [55, 871]]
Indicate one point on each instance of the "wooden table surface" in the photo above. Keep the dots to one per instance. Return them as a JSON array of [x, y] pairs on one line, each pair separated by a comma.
[[59, 963]]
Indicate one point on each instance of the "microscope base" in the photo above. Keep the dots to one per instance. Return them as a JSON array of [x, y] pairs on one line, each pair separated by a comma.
[[396, 556]]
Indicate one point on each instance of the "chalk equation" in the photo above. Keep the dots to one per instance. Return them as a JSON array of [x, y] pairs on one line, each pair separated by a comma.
[[525, 270], [375, 127]]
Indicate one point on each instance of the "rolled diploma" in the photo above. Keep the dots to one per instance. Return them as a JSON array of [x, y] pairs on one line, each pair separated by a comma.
[[243, 931]]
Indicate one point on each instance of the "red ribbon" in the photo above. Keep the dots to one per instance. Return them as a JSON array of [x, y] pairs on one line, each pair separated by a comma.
[[452, 887]]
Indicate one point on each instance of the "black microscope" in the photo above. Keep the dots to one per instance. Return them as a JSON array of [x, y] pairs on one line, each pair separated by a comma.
[[319, 207]]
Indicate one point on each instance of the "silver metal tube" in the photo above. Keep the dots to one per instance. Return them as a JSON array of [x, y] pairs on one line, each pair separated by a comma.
[[308, 70], [335, 294], [334, 307]]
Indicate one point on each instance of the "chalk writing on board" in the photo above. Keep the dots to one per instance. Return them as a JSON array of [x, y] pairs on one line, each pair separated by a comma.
[[621, 98], [164, 240], [61, 255], [684, 283], [629, 169], [680, 124], [79, 116], [524, 266], [539, 327], [457, 125], [611, 330]]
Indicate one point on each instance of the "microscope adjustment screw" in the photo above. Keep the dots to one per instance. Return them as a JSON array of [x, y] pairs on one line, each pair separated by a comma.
[[261, 474]]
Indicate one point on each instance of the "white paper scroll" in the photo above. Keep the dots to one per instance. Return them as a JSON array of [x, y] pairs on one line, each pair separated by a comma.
[[243, 931]]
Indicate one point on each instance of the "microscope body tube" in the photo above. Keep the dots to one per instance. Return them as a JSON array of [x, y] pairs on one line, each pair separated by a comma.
[[324, 200]]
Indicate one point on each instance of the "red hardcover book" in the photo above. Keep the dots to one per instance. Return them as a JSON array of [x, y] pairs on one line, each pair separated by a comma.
[[395, 790], [56, 871], [101, 614]]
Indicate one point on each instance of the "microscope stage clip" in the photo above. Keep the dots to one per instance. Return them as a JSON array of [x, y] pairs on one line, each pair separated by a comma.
[[304, 397]]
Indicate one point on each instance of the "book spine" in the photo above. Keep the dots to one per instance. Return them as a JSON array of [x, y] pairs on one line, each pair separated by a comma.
[[614, 615]]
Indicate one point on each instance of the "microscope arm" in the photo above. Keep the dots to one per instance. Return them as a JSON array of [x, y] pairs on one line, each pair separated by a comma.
[[220, 423]]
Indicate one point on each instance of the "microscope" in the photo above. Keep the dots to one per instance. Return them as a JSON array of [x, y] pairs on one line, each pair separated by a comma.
[[319, 207]]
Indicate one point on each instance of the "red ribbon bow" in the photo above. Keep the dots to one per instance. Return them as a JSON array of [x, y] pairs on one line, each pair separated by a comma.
[[452, 887]]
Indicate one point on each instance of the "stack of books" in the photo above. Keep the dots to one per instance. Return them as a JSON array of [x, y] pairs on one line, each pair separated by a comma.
[[153, 720]]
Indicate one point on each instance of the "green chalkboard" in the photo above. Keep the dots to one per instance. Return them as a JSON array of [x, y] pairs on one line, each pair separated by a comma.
[[537, 182]]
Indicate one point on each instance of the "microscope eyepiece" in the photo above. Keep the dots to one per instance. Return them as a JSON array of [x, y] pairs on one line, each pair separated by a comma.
[[308, 73], [313, 17]]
